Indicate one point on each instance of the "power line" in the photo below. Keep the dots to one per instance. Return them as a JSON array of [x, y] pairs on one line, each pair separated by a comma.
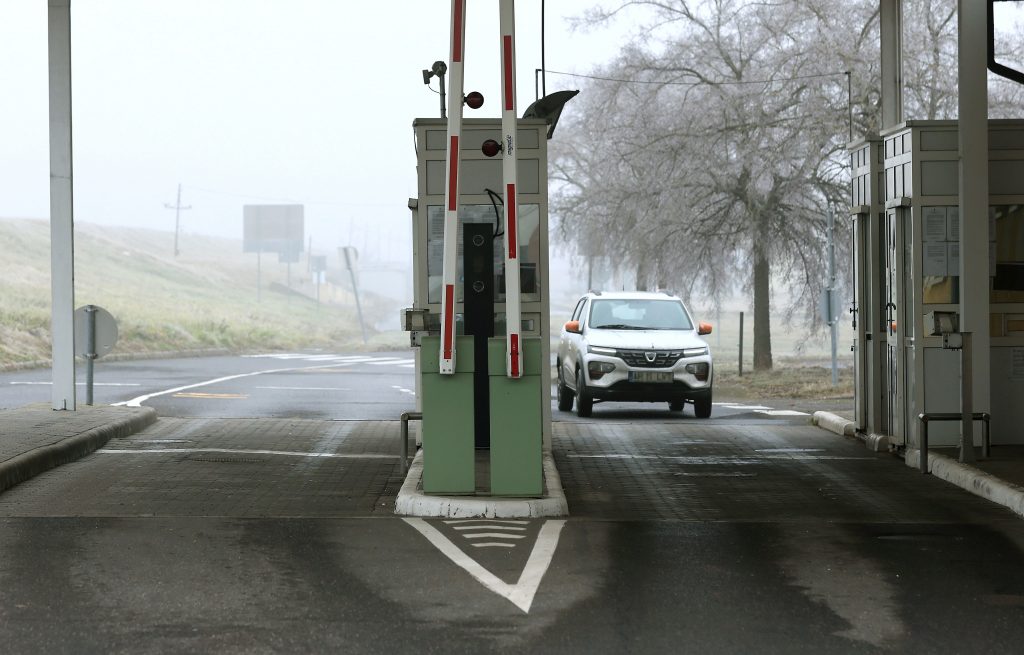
[[715, 82]]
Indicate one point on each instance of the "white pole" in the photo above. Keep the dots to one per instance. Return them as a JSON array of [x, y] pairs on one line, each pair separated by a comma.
[[62, 224], [449, 269], [513, 320]]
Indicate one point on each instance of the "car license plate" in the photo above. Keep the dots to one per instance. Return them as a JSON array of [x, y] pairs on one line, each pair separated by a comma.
[[650, 376]]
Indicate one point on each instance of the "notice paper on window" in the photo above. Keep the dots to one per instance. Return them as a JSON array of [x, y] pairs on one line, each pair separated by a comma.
[[934, 224], [935, 258]]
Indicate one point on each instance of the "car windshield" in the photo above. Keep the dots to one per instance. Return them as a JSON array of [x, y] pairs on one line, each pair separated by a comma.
[[642, 314]]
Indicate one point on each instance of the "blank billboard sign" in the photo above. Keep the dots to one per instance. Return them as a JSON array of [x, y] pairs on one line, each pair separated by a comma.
[[273, 228]]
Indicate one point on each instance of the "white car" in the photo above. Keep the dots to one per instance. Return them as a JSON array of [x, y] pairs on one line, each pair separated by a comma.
[[637, 347]]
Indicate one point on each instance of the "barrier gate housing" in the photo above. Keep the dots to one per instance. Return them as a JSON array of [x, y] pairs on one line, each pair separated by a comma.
[[518, 410]]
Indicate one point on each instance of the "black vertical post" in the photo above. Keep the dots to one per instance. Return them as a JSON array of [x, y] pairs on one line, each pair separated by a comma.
[[741, 344], [478, 294]]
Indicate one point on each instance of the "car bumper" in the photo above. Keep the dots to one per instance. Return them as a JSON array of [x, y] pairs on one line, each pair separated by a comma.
[[616, 385]]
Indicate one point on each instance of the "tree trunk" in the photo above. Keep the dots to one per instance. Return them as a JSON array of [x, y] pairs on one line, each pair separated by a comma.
[[642, 274], [762, 322]]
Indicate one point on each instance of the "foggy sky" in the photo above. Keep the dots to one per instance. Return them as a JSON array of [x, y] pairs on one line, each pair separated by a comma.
[[252, 101]]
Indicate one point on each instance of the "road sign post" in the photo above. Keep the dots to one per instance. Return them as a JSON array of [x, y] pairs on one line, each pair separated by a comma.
[[95, 336]]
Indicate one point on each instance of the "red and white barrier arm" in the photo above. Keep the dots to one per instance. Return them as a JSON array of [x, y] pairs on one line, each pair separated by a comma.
[[509, 133], [449, 270]]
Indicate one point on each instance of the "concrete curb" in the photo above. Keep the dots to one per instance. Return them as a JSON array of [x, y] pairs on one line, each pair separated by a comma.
[[834, 423], [412, 501], [970, 479], [39, 460]]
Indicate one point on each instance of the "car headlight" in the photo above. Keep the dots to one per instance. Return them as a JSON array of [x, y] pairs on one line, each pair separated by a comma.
[[600, 350], [698, 370], [693, 352], [598, 369]]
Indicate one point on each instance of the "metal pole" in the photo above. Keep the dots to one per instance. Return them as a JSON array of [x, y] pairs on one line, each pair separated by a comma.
[[832, 322], [923, 450], [62, 252], [440, 79], [90, 350], [543, 67], [966, 402], [741, 344], [359, 307]]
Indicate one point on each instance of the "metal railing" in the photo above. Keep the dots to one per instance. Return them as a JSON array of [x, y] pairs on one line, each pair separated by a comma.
[[986, 445], [405, 418]]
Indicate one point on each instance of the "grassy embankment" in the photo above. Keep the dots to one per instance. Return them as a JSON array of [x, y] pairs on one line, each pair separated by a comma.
[[204, 299]]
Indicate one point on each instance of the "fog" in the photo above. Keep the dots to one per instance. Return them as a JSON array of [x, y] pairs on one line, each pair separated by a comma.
[[257, 101]]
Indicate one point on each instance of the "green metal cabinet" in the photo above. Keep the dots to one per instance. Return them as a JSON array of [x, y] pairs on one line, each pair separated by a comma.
[[516, 434], [448, 449]]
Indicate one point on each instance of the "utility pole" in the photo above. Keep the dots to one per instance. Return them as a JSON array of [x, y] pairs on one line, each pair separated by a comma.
[[177, 207]]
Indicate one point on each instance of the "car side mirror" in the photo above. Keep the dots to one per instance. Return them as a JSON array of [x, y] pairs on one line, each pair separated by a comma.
[[703, 328], [573, 326]]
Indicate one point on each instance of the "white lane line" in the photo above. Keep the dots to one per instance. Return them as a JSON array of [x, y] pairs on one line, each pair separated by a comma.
[[306, 388], [493, 544], [685, 459], [522, 592], [236, 451], [466, 521], [138, 400], [407, 365], [489, 527], [82, 384], [397, 362], [790, 450], [494, 535], [782, 412]]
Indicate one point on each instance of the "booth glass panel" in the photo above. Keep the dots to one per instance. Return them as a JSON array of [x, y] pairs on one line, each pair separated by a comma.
[[529, 250]]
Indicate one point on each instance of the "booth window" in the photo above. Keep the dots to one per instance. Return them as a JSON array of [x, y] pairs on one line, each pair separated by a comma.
[[1007, 253], [529, 250]]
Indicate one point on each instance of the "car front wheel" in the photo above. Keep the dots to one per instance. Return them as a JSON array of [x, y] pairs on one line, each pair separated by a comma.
[[584, 403], [565, 394], [702, 406]]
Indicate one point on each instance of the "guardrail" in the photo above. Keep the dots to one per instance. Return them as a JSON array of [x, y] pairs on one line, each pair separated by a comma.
[[986, 445], [405, 418]]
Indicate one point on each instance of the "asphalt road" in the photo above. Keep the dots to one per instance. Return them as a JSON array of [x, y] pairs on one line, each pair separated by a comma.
[[260, 534], [330, 386]]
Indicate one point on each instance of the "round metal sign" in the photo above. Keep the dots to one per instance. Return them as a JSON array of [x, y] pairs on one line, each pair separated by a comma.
[[104, 326]]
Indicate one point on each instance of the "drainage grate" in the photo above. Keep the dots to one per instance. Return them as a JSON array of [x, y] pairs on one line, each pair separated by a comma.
[[227, 460]]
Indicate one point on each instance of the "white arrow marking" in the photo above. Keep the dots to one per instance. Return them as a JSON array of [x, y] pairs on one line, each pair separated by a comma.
[[522, 592]]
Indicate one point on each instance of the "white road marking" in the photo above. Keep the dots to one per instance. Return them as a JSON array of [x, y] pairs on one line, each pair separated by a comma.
[[465, 521], [522, 592], [306, 388], [138, 400], [82, 384], [782, 412], [489, 527], [494, 535], [493, 544], [790, 450], [740, 460], [395, 362], [233, 451]]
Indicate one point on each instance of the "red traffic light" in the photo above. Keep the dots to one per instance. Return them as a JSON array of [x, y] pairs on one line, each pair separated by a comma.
[[475, 99], [490, 147]]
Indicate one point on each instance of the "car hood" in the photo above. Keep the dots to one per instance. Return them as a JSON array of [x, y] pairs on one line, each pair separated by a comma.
[[645, 339]]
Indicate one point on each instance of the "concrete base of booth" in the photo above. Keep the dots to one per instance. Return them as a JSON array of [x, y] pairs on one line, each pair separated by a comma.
[[412, 501]]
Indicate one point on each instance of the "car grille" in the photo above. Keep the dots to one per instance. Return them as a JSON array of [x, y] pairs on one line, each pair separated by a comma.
[[638, 358]]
